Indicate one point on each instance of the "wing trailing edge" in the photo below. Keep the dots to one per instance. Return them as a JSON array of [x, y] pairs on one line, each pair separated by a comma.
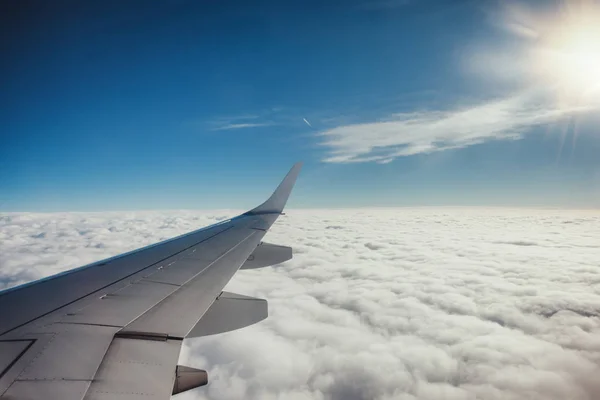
[[187, 378], [230, 311], [267, 254]]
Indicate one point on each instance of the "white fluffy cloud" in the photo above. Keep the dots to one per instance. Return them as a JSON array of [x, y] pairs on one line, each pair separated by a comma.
[[449, 303]]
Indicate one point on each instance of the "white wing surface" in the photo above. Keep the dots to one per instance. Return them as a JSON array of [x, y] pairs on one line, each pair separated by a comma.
[[113, 329]]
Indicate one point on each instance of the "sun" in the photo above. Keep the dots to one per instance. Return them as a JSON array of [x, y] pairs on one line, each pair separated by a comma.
[[569, 55], [575, 61]]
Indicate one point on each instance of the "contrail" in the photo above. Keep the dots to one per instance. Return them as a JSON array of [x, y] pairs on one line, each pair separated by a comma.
[[307, 123]]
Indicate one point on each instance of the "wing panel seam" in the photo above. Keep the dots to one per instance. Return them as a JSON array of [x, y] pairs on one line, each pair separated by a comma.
[[112, 283], [13, 362]]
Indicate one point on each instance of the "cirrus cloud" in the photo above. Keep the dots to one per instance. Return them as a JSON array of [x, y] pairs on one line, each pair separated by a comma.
[[423, 132]]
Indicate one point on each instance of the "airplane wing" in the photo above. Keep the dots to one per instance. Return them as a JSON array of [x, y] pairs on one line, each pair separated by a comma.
[[113, 329]]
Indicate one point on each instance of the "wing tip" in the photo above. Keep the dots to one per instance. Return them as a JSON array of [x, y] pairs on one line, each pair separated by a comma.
[[278, 200]]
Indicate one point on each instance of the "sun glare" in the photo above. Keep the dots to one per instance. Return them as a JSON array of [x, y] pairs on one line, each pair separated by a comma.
[[570, 56]]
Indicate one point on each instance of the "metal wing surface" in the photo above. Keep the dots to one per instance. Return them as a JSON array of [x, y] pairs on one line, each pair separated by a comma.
[[114, 328]]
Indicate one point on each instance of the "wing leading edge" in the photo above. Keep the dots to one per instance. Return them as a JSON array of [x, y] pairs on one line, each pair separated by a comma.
[[115, 327]]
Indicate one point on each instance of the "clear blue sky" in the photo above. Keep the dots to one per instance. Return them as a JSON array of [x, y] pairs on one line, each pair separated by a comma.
[[113, 105]]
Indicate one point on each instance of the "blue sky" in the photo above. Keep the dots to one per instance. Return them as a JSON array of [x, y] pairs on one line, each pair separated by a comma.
[[154, 105]]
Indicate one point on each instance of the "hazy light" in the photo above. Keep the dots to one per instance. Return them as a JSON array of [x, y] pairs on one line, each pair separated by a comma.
[[569, 55]]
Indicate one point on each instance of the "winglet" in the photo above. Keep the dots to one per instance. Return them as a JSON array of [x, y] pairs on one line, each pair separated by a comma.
[[275, 203]]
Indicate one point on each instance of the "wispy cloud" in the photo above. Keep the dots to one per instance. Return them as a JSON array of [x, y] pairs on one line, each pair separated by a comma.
[[520, 19], [274, 116], [230, 126], [244, 121], [431, 131]]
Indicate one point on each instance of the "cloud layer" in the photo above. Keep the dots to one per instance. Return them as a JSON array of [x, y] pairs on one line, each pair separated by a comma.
[[378, 304]]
